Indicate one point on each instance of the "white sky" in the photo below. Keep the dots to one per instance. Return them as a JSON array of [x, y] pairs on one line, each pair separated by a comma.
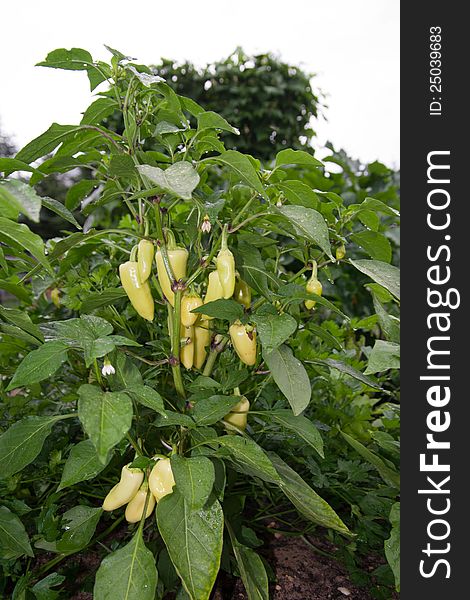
[[353, 46]]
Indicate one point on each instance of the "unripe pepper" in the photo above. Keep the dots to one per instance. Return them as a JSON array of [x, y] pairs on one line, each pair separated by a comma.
[[238, 416], [188, 303], [214, 290], [125, 490], [244, 343], [242, 293], [55, 297], [145, 255], [226, 267], [178, 259], [313, 286], [187, 350], [138, 293], [135, 508], [202, 338], [161, 480], [340, 252]]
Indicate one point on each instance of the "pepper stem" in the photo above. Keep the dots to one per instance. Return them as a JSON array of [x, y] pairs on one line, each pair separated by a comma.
[[314, 270], [133, 253], [170, 239], [224, 245]]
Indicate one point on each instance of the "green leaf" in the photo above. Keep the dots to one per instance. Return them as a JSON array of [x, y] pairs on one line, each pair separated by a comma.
[[194, 542], [298, 193], [39, 364], [127, 374], [253, 269], [309, 224], [77, 192], [242, 167], [300, 425], [305, 499], [389, 475], [392, 544], [386, 275], [16, 290], [194, 478], [375, 244], [296, 157], [293, 292], [75, 59], [22, 442], [22, 320], [389, 324], [274, 329], [148, 397], [248, 457], [127, 574], [105, 416], [251, 569], [211, 120], [221, 309], [122, 165], [98, 110], [179, 179], [347, 369], [13, 537], [42, 589], [46, 142], [20, 235], [211, 410], [82, 464], [325, 335], [17, 197], [80, 523], [104, 298], [59, 209], [373, 205], [10, 165], [290, 377], [384, 356]]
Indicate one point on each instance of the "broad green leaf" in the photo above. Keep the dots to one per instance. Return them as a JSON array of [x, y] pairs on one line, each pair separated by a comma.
[[389, 475], [18, 333], [80, 523], [21, 319], [20, 235], [59, 209], [98, 110], [127, 574], [210, 410], [300, 425], [347, 369], [194, 541], [253, 269], [105, 298], [251, 569], [293, 292], [325, 335], [249, 457], [22, 442], [384, 356], [10, 165], [174, 418], [77, 192], [82, 464], [179, 179], [392, 544], [211, 120], [105, 416], [389, 324], [42, 589], [122, 165], [298, 193], [296, 157], [46, 142], [127, 375], [386, 275], [242, 167], [375, 244], [194, 478], [274, 329], [221, 309], [309, 224], [305, 499], [148, 397], [39, 364], [14, 541], [17, 197], [20, 291], [373, 205], [75, 59], [290, 377]]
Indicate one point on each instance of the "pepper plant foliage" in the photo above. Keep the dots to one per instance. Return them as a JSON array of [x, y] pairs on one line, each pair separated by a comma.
[[87, 366]]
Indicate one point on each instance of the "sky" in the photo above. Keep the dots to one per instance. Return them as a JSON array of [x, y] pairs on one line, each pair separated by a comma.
[[353, 47]]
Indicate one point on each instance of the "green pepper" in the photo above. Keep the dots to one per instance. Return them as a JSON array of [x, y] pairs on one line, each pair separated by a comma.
[[313, 286], [340, 252], [242, 293]]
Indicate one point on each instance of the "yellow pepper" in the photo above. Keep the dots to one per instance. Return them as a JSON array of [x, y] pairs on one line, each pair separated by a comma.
[[244, 343], [125, 490], [161, 480], [202, 338], [340, 252], [55, 297], [214, 290], [313, 286], [242, 293], [238, 416], [178, 259], [138, 293], [145, 254], [188, 303], [135, 508], [187, 350]]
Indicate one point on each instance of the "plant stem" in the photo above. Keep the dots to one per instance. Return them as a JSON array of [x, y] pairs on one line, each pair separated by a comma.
[[175, 346], [134, 444], [213, 354]]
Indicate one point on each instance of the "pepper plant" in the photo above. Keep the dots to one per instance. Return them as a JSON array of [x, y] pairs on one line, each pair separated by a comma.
[[166, 340]]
